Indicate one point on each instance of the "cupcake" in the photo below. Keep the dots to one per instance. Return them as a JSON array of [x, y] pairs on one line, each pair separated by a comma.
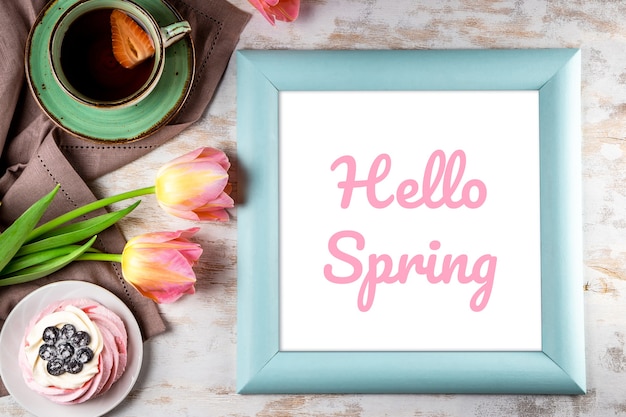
[[73, 350]]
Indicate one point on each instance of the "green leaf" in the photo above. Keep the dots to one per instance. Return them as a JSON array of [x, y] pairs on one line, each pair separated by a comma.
[[76, 232], [22, 262], [15, 235], [87, 208], [42, 270]]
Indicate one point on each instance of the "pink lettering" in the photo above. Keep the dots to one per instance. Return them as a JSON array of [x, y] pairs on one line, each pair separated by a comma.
[[380, 270], [441, 175], [373, 178], [349, 259]]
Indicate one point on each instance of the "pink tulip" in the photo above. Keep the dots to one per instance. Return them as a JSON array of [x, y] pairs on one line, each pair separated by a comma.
[[284, 10], [159, 264], [192, 186]]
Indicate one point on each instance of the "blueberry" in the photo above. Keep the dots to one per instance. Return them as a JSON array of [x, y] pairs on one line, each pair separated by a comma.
[[67, 331], [73, 366], [50, 335], [84, 355], [65, 351], [55, 367], [47, 352], [80, 339]]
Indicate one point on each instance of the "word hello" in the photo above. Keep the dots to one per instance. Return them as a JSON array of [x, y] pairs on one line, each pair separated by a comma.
[[442, 178], [439, 175]]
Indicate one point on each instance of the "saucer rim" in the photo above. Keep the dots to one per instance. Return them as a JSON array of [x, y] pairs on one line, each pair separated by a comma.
[[154, 120]]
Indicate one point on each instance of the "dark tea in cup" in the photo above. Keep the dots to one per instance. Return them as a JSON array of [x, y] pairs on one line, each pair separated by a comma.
[[110, 53], [89, 64]]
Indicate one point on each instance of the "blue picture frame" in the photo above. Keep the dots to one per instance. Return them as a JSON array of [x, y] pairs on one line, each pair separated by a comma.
[[559, 368]]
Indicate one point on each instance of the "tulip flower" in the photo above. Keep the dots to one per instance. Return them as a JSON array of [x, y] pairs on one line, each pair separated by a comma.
[[284, 10], [193, 186], [159, 265]]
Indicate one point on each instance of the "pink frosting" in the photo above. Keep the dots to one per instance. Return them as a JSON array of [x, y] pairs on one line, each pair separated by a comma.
[[111, 362]]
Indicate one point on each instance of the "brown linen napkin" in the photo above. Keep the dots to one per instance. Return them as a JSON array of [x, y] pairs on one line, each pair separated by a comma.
[[36, 155]]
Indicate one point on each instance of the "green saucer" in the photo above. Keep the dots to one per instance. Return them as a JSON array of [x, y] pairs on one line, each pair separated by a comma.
[[106, 124]]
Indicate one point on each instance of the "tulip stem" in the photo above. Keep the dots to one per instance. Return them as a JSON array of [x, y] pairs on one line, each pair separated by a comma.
[[107, 257], [80, 211]]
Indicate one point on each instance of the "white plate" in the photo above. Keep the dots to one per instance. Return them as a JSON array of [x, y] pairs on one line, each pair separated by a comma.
[[13, 331]]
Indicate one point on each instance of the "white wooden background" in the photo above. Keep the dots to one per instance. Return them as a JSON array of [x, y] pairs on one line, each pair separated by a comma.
[[190, 370]]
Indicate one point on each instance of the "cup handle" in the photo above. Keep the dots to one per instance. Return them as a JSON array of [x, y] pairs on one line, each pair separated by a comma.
[[174, 32]]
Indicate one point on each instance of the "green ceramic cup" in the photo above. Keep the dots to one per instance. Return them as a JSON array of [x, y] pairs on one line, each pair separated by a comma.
[[161, 37]]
